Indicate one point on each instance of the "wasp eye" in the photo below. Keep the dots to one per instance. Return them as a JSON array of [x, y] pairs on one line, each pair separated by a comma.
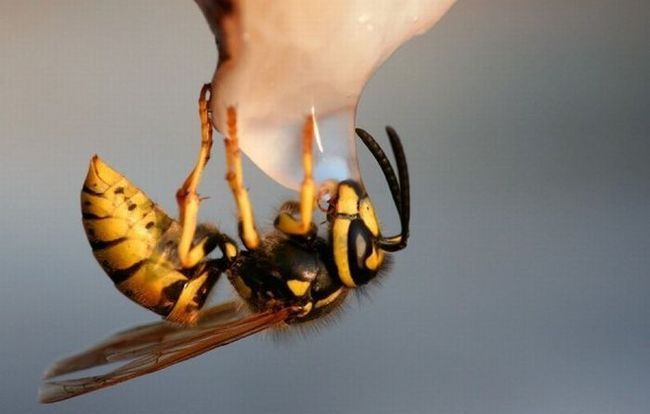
[[280, 64], [360, 247]]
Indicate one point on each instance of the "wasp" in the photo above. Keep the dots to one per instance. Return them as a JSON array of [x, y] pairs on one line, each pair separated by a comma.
[[289, 276]]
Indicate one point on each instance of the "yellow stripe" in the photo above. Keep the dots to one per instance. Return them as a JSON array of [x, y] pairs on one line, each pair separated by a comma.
[[125, 254], [99, 206], [231, 250], [367, 214], [306, 309], [100, 176], [329, 299], [146, 285], [348, 200], [340, 248], [298, 287], [374, 261], [134, 208], [186, 309], [106, 229]]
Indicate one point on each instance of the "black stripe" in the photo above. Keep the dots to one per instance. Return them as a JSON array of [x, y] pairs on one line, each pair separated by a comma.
[[356, 186], [173, 291], [345, 216], [90, 191], [91, 216], [202, 293], [163, 221], [120, 275], [102, 244]]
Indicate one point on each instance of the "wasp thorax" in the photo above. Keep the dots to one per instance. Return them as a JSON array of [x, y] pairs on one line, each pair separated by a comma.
[[288, 272]]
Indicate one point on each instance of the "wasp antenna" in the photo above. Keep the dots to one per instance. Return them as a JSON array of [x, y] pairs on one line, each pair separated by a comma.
[[404, 181], [400, 191], [384, 164]]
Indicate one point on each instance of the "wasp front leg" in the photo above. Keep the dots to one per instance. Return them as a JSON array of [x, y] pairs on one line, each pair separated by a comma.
[[286, 221], [187, 197]]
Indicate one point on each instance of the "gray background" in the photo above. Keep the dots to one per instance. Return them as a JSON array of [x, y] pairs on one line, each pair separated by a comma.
[[525, 288]]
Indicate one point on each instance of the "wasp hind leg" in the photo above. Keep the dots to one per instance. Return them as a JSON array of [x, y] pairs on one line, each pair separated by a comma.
[[196, 242], [234, 175], [191, 252], [286, 220]]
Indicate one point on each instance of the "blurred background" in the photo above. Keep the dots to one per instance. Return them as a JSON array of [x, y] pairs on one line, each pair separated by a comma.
[[525, 286]]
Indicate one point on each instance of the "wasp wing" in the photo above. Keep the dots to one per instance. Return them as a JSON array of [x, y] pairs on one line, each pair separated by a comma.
[[129, 343], [151, 348]]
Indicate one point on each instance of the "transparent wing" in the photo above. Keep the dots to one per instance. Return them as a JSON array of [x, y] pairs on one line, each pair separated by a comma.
[[153, 347], [140, 339]]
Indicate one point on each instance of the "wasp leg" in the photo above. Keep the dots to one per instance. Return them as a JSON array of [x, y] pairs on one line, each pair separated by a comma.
[[247, 231], [286, 222], [188, 199]]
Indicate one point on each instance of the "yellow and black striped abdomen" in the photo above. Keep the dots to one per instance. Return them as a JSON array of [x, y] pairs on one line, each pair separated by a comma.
[[130, 237]]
